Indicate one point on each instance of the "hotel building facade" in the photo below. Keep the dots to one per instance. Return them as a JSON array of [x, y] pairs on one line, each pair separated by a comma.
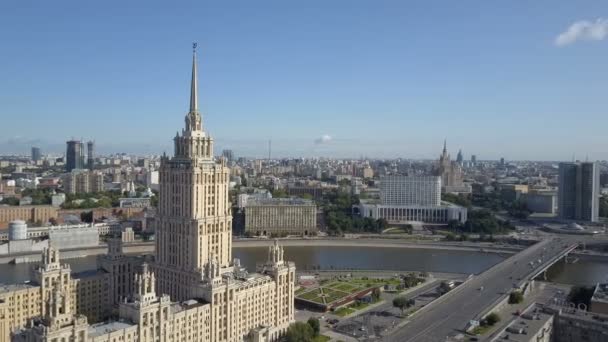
[[193, 290]]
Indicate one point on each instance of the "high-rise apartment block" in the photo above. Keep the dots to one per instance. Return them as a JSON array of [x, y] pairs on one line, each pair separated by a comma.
[[74, 155], [82, 181], [579, 191]]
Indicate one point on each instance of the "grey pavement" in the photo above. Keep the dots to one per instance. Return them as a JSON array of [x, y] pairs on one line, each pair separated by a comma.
[[452, 312]]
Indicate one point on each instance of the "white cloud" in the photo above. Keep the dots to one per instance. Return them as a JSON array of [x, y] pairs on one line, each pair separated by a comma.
[[324, 139], [583, 30]]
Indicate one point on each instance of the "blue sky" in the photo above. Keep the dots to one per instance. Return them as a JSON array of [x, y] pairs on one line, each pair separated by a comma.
[[376, 78]]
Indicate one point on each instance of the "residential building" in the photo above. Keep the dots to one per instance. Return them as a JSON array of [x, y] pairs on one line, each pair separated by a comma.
[[29, 213], [83, 181], [281, 216], [579, 191]]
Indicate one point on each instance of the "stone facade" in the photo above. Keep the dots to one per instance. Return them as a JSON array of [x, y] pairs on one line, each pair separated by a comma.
[[281, 216], [193, 290], [82, 181]]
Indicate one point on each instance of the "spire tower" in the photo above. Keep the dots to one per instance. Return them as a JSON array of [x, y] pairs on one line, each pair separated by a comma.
[[194, 83]]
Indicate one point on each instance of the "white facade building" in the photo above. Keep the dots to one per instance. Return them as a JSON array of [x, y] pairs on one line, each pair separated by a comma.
[[411, 190]]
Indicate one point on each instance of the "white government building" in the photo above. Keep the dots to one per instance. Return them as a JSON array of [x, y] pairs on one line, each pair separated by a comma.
[[192, 291], [406, 199]]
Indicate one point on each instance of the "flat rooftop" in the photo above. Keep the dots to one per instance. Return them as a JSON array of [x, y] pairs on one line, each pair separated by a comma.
[[600, 294], [4, 288], [106, 328], [528, 324], [279, 201]]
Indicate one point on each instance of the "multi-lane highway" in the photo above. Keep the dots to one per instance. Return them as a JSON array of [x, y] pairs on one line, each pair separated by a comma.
[[471, 299]]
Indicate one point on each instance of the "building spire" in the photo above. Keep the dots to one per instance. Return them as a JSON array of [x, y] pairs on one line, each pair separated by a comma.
[[445, 145], [194, 83]]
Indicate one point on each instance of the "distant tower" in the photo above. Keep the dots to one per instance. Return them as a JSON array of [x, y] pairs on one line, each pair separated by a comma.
[[459, 157], [269, 149], [228, 154], [473, 159], [90, 156], [579, 191], [74, 155], [35, 154]]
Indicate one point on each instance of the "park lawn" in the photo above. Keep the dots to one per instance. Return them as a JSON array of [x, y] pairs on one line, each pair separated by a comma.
[[374, 282], [333, 295], [344, 311], [321, 338], [312, 295], [344, 286]]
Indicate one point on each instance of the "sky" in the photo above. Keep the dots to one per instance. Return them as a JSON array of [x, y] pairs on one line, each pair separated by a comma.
[[523, 80]]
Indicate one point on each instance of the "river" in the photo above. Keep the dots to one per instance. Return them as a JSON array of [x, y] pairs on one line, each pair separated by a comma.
[[371, 258]]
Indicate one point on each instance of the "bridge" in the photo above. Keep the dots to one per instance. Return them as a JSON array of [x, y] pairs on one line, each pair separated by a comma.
[[545, 265], [474, 298]]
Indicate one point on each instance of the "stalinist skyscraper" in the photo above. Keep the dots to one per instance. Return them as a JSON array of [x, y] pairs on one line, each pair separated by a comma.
[[194, 220], [194, 290], [194, 242]]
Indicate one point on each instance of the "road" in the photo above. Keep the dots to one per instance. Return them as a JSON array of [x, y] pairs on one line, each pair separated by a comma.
[[452, 313]]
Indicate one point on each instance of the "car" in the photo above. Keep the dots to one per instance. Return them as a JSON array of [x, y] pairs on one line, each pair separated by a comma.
[[481, 288]]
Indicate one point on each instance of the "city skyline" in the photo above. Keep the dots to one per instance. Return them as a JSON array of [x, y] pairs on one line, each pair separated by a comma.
[[395, 86]]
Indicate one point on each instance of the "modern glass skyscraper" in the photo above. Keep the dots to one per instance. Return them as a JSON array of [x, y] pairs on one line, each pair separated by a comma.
[[74, 155], [35, 154], [90, 155], [579, 191]]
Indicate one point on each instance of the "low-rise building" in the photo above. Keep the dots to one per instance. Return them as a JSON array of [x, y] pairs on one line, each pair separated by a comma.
[[599, 300], [541, 202], [28, 213], [395, 214]]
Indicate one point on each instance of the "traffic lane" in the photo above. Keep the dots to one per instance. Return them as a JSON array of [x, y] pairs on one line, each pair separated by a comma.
[[433, 325]]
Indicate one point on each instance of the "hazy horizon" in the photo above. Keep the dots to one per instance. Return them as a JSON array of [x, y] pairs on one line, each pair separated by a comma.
[[341, 79]]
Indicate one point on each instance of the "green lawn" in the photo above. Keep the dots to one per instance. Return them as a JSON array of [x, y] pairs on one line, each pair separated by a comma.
[[345, 311], [321, 338], [312, 295]]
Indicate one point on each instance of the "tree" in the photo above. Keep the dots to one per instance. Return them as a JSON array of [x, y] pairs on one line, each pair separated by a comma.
[[299, 332], [86, 216], [376, 294], [402, 303], [314, 324], [516, 297], [581, 295], [444, 287], [492, 318]]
